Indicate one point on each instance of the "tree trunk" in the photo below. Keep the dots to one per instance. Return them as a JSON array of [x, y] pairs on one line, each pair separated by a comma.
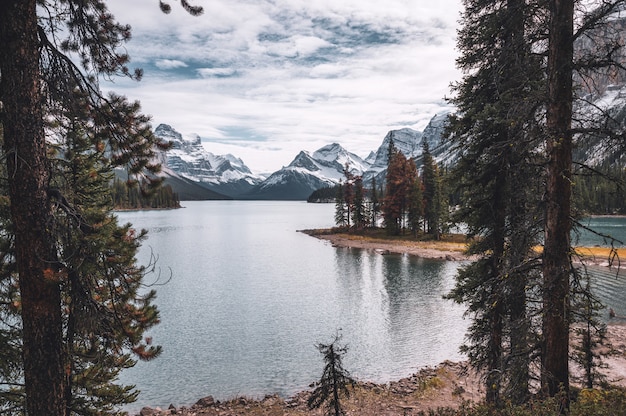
[[556, 260], [25, 151]]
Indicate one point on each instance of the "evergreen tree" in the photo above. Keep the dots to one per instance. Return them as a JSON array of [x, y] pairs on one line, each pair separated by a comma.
[[416, 202], [360, 217], [348, 194], [98, 256], [502, 111], [433, 203], [341, 216], [395, 201], [558, 225], [334, 381], [38, 41], [494, 132], [374, 204]]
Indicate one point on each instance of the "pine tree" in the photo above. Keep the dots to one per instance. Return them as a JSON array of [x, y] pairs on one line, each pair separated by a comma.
[[414, 197], [416, 206], [374, 204], [433, 198], [348, 194], [394, 203], [341, 216], [494, 134], [98, 256], [334, 381], [38, 44], [502, 108], [360, 217], [558, 225]]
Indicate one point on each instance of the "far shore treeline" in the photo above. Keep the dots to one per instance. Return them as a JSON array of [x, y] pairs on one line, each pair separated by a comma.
[[133, 197]]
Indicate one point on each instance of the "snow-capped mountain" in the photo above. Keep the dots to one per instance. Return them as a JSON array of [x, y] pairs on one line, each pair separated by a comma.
[[407, 141], [225, 174], [596, 150], [190, 163], [411, 143], [308, 172]]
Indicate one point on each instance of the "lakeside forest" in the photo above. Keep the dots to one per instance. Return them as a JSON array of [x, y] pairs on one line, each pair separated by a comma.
[[73, 314]]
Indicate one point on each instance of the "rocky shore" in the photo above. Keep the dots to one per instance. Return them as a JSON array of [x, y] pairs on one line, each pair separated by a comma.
[[448, 384]]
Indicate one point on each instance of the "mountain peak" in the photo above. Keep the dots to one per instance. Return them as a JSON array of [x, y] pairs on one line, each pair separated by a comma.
[[188, 158]]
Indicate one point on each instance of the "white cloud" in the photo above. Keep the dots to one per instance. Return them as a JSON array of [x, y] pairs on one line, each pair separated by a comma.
[[216, 72], [265, 79], [170, 64]]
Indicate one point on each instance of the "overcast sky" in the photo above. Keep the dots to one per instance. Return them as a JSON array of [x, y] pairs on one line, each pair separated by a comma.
[[264, 79]]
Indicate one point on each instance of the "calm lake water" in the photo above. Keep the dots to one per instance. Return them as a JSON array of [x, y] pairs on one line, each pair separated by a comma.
[[249, 297]]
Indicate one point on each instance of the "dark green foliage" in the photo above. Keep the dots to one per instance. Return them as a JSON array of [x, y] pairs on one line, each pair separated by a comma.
[[399, 190], [351, 202], [327, 194], [125, 197], [498, 180], [601, 191], [341, 210], [79, 315], [334, 381], [107, 315], [416, 206], [433, 196], [374, 204], [360, 214]]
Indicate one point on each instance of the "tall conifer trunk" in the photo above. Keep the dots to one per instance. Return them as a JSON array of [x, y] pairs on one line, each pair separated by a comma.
[[556, 261], [25, 151], [518, 56]]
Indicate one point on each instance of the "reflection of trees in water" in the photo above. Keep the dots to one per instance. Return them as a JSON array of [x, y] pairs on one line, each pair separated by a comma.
[[364, 305], [419, 318], [399, 300]]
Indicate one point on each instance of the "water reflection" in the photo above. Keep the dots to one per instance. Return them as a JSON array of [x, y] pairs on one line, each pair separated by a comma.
[[399, 300]]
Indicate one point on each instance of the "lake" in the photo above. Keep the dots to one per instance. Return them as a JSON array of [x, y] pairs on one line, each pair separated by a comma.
[[244, 299], [248, 297]]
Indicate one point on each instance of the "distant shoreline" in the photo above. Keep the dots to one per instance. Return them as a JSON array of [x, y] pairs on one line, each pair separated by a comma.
[[448, 250], [441, 250]]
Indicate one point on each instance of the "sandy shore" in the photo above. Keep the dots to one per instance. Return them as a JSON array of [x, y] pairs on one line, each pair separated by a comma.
[[427, 249], [455, 251]]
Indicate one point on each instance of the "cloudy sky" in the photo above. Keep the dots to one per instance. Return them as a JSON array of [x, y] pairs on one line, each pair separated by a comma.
[[264, 79]]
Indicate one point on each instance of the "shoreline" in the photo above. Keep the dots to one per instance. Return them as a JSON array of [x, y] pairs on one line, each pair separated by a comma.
[[436, 250], [451, 251]]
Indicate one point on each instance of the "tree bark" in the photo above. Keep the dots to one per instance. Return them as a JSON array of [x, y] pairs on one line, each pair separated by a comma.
[[556, 260], [25, 151]]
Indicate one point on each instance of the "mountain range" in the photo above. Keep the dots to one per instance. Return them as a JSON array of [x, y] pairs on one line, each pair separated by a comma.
[[197, 174]]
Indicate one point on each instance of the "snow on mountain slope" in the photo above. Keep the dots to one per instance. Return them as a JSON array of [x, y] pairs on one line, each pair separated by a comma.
[[308, 172], [596, 150], [225, 174]]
